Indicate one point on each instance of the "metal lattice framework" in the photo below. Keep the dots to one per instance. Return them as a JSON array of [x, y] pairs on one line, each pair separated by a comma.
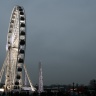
[[15, 48]]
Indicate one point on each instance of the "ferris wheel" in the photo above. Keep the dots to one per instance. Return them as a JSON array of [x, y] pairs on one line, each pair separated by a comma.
[[15, 48]]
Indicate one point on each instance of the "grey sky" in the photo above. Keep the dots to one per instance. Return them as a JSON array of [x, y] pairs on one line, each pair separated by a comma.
[[61, 34]]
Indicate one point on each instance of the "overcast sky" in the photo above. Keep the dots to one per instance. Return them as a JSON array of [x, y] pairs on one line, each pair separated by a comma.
[[61, 34]]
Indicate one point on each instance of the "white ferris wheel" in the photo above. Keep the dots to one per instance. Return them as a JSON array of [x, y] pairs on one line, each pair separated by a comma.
[[15, 49]]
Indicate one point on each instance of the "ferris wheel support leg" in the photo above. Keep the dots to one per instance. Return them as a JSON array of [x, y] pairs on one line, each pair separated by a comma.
[[2, 71], [32, 88]]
